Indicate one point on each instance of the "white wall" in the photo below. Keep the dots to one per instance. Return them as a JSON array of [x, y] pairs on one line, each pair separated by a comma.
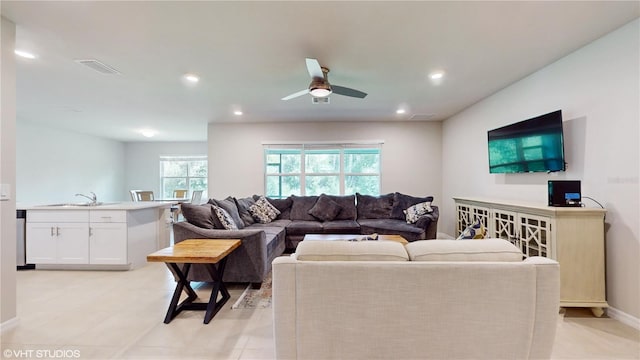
[[8, 176], [411, 153], [54, 164], [598, 90], [143, 165]]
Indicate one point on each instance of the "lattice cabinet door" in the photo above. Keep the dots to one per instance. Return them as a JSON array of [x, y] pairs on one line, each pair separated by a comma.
[[535, 236], [504, 225], [482, 214], [463, 217]]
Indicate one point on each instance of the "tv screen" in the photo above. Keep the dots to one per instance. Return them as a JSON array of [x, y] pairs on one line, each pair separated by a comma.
[[528, 146]]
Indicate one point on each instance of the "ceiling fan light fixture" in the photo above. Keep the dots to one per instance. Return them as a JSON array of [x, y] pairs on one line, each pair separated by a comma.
[[320, 92], [319, 87]]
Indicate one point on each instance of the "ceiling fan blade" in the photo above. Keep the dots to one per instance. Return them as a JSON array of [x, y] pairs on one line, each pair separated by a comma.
[[315, 71], [341, 90], [295, 95]]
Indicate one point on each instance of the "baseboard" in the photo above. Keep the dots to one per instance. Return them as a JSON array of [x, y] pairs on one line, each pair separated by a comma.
[[9, 324], [624, 318]]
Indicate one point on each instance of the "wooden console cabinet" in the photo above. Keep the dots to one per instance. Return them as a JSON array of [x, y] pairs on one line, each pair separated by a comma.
[[573, 236]]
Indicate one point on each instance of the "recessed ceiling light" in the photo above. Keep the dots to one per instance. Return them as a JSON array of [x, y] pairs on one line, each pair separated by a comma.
[[401, 111], [147, 133], [191, 78], [24, 54], [237, 112], [436, 75]]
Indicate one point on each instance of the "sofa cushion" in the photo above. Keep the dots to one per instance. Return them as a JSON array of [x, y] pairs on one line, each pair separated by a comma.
[[402, 202], [392, 227], [229, 205], [348, 204], [374, 207], [263, 211], [341, 227], [303, 227], [473, 231], [278, 223], [301, 206], [225, 219], [243, 205], [336, 250], [325, 208], [452, 250], [200, 215], [414, 212]]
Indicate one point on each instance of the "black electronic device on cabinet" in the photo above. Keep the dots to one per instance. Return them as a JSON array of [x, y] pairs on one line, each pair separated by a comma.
[[564, 193]]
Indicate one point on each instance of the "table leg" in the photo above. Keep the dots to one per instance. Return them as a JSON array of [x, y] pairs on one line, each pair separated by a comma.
[[182, 285], [212, 307], [218, 286]]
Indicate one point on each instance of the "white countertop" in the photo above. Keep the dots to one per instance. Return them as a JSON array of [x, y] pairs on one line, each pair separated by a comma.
[[124, 205]]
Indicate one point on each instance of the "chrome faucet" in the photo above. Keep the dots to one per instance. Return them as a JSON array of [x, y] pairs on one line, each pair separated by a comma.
[[93, 197]]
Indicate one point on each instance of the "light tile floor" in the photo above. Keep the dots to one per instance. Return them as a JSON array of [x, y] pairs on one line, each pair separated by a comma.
[[119, 315]]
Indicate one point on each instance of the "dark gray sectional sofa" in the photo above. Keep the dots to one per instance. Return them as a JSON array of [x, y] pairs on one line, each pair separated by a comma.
[[299, 215]]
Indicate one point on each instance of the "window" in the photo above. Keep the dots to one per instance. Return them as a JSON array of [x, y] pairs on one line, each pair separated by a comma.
[[316, 169], [183, 172]]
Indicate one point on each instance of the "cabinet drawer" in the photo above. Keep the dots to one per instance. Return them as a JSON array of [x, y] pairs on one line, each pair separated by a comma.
[[58, 216], [108, 216]]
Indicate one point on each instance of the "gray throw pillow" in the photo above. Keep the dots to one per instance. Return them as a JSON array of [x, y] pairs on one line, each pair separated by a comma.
[[374, 207], [243, 210], [199, 215], [325, 209], [301, 206], [229, 205]]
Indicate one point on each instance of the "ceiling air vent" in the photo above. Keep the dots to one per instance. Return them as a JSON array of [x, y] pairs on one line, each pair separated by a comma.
[[421, 117], [98, 66]]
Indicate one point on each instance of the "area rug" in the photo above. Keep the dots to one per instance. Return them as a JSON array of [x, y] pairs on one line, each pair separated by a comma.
[[255, 298]]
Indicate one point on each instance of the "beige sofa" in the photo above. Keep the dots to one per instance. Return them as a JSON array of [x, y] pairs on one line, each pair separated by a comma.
[[435, 299]]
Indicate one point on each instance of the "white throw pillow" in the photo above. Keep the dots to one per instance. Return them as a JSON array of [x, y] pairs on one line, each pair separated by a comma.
[[225, 219], [413, 213], [263, 211]]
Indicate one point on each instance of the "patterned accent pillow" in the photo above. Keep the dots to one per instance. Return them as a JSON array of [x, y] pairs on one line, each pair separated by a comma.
[[473, 231], [263, 211], [413, 213], [225, 219]]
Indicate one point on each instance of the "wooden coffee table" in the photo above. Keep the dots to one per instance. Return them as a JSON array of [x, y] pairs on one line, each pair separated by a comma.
[[329, 237], [196, 251]]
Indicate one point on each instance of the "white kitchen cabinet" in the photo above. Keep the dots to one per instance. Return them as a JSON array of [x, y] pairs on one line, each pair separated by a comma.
[[60, 238], [108, 237], [573, 236]]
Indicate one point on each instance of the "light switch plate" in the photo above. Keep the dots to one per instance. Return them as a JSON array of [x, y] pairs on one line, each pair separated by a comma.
[[5, 192]]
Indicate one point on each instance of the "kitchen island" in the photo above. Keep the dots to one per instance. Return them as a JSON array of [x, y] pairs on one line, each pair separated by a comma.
[[107, 236]]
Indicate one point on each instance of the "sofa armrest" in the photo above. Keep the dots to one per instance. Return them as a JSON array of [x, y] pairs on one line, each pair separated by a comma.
[[284, 307], [184, 230], [249, 262], [429, 222]]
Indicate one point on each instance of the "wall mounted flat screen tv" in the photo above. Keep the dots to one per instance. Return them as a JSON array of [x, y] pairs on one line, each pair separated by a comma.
[[532, 145]]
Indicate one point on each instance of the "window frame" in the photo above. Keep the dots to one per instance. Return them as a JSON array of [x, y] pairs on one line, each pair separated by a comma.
[[187, 178], [303, 149]]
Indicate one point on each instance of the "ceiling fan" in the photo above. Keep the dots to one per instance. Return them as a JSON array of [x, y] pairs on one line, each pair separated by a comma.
[[320, 87]]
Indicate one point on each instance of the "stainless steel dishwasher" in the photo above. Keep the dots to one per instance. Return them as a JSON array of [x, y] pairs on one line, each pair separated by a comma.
[[21, 241]]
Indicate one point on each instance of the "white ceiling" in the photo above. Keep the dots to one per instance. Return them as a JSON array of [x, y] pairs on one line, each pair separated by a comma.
[[251, 54]]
